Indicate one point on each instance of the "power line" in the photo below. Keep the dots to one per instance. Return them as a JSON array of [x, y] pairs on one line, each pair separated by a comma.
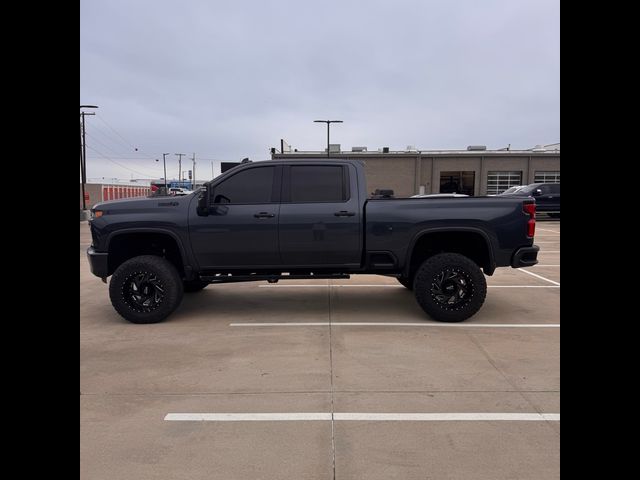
[[112, 139], [126, 141], [114, 130], [104, 145], [119, 164], [123, 141], [109, 158]]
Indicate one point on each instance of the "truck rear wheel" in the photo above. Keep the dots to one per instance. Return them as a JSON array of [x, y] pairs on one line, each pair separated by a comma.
[[450, 287], [145, 289]]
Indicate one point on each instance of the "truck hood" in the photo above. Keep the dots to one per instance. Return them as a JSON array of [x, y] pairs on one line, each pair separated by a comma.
[[140, 203]]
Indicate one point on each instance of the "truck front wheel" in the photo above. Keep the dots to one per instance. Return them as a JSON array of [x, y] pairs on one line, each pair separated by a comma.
[[450, 287], [146, 289]]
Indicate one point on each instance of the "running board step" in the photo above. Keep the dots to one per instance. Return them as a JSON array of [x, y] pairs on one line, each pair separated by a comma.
[[269, 278]]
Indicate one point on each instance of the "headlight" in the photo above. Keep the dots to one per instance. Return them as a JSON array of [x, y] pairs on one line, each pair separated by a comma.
[[96, 214]]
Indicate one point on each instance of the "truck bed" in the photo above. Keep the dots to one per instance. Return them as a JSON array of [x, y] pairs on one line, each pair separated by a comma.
[[393, 225]]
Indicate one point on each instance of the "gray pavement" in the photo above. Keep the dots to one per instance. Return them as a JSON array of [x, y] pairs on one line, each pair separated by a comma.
[[131, 376]]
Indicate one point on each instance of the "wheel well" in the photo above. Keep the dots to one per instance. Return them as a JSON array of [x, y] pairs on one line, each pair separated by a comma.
[[470, 244], [128, 245]]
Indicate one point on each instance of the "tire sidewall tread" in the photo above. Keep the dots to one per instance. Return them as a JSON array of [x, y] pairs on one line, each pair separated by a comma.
[[166, 272], [431, 267]]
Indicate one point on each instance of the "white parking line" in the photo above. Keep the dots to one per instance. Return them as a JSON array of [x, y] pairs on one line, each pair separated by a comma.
[[397, 324], [539, 276], [448, 417], [245, 417], [326, 285], [367, 417], [523, 286], [397, 286], [547, 230]]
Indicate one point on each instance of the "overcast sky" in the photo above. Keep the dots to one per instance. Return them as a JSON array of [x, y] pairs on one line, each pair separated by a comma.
[[228, 79]]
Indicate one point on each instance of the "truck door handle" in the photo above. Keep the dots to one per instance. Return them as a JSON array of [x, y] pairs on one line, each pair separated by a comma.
[[264, 215], [344, 213]]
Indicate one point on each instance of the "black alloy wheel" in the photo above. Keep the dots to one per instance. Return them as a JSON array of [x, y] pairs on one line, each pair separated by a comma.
[[146, 289], [450, 287], [143, 291]]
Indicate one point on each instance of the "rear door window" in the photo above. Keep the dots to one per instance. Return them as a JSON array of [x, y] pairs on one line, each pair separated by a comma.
[[318, 183]]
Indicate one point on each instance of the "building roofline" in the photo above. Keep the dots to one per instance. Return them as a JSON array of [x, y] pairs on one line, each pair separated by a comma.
[[424, 153]]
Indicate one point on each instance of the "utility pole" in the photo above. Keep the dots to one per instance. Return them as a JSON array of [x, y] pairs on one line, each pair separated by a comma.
[[83, 155], [180, 155], [211, 169], [164, 161], [82, 168], [328, 122], [84, 161], [193, 173]]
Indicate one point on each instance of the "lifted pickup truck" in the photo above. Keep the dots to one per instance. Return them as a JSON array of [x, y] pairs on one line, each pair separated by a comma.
[[302, 219]]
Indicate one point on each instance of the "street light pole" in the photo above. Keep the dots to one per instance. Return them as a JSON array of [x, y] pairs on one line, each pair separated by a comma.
[[328, 122], [83, 153]]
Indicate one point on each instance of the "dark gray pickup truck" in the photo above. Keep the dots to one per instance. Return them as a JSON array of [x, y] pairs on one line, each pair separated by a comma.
[[302, 219]]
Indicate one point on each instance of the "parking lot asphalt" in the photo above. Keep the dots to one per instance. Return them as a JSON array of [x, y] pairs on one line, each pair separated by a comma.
[[358, 381]]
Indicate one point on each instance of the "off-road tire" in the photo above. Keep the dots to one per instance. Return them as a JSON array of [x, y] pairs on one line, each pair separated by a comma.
[[146, 289], [450, 287]]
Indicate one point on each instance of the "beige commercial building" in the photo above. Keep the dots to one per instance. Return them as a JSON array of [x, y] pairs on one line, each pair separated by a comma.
[[473, 171]]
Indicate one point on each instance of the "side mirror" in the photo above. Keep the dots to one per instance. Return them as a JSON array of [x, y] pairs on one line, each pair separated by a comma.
[[203, 202], [221, 199], [536, 192]]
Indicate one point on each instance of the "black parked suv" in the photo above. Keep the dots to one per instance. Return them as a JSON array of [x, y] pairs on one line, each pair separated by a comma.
[[547, 197]]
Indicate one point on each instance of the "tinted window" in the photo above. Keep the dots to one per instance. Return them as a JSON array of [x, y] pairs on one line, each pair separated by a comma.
[[546, 189], [555, 188], [525, 191], [254, 185], [317, 184]]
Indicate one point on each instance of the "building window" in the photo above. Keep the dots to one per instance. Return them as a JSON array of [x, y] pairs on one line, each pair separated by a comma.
[[498, 182], [547, 177], [457, 182]]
